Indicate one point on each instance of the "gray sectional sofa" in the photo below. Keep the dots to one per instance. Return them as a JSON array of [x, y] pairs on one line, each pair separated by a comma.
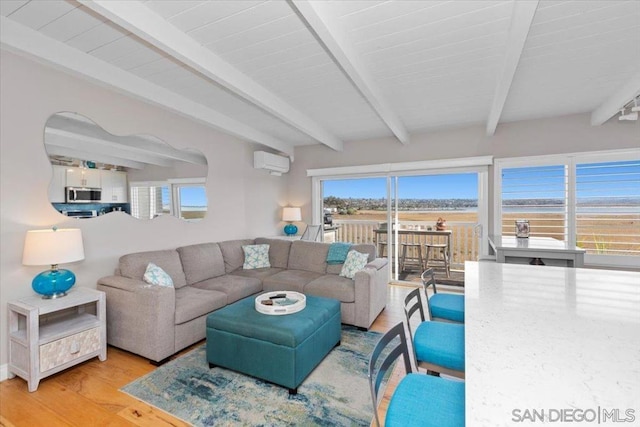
[[156, 321]]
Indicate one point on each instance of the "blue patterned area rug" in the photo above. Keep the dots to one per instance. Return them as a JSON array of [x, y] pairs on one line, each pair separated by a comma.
[[336, 393]]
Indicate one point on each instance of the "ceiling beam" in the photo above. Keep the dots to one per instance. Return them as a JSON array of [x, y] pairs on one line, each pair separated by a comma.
[[25, 41], [615, 102], [93, 134], [137, 18], [521, 18], [335, 40]]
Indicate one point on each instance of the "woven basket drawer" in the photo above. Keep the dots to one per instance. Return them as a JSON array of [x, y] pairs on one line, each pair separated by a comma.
[[64, 350]]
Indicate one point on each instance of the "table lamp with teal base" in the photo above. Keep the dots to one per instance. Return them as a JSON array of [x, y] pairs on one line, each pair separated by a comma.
[[290, 215], [53, 246]]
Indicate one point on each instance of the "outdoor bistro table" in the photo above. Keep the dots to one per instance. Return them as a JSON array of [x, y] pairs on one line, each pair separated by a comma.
[[406, 235]]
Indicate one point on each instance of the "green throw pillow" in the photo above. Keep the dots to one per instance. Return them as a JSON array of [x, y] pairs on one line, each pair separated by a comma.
[[256, 256], [157, 276], [355, 262]]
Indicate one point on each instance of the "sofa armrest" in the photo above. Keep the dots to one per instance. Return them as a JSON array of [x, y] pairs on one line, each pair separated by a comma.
[[371, 291], [377, 263], [123, 283], [140, 317]]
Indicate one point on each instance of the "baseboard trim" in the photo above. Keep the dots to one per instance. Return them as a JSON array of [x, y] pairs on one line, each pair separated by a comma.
[[4, 372]]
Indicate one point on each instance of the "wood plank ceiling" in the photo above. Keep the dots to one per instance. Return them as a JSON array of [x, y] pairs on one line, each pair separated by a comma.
[[288, 73]]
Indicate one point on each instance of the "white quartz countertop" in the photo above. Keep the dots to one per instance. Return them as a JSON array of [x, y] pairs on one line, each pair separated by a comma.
[[532, 243], [551, 339]]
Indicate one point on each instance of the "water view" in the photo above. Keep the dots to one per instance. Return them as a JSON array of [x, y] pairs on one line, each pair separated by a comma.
[[607, 217]]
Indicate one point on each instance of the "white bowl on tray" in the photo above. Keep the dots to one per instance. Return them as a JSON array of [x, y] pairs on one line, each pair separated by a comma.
[[283, 302]]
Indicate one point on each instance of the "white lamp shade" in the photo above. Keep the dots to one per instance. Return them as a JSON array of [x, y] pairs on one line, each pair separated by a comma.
[[53, 246], [291, 214]]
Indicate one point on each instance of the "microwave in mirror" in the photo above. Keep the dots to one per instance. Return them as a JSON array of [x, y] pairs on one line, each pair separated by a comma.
[[83, 195]]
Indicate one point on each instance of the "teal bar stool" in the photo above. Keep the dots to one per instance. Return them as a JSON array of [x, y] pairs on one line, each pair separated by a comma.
[[418, 400], [438, 346], [443, 307]]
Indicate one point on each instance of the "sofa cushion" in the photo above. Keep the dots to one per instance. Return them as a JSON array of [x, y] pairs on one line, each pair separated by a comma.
[[193, 302], [258, 273], [289, 280], [201, 262], [308, 256], [366, 248], [233, 254], [331, 286], [134, 265], [256, 256], [278, 251], [234, 287], [154, 275], [354, 263], [363, 248]]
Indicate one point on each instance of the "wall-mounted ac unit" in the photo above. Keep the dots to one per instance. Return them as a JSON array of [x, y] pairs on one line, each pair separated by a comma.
[[276, 165]]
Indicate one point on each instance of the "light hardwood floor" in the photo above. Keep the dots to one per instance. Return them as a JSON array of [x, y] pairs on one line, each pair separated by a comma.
[[87, 394]]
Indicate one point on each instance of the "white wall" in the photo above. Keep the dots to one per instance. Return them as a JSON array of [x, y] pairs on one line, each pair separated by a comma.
[[568, 134], [243, 202]]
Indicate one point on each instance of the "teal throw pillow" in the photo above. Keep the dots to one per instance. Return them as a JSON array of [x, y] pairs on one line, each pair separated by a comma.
[[157, 276], [355, 262], [256, 256]]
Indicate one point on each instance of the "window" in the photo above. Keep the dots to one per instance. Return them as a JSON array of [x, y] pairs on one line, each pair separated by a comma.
[[184, 198], [607, 207], [190, 201], [591, 200], [537, 194]]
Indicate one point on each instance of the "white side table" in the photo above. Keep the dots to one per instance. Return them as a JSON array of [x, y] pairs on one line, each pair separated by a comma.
[[48, 336]]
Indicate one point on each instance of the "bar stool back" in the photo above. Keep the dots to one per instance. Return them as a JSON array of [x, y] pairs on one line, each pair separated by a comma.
[[418, 400], [438, 346]]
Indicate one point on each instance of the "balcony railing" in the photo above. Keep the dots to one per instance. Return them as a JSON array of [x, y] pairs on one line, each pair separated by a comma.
[[464, 243]]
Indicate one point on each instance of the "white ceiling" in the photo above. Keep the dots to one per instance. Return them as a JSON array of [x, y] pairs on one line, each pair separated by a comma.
[[287, 73]]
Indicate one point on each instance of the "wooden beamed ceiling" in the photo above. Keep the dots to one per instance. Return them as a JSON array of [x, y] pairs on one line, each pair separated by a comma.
[[298, 72]]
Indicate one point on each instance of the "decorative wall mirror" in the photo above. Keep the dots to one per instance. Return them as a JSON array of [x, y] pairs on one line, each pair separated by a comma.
[[95, 173]]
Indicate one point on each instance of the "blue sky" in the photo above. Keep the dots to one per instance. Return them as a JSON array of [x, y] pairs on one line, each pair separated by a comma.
[[193, 196], [595, 180], [453, 186]]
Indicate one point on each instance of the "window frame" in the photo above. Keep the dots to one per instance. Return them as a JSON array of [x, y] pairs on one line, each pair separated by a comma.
[[569, 161], [176, 200], [479, 165]]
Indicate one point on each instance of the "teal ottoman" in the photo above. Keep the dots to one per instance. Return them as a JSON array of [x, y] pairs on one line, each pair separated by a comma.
[[279, 349]]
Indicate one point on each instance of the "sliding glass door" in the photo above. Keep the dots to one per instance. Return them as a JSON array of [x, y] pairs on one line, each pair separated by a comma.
[[407, 215]]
